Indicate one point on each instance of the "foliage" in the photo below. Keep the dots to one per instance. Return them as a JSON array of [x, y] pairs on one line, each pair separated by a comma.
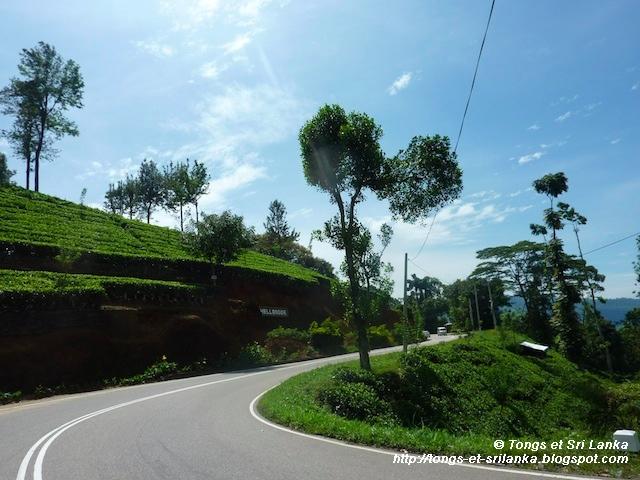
[[564, 319], [326, 337], [288, 343], [38, 100], [5, 173], [427, 296], [197, 184], [219, 238], [557, 399], [37, 219], [254, 355], [10, 397], [341, 155], [355, 400], [380, 336], [521, 268], [461, 296], [176, 181], [630, 334], [158, 371], [152, 192]]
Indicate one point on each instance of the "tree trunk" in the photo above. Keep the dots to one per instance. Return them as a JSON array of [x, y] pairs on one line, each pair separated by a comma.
[[196, 204], [148, 215], [28, 171], [181, 221]]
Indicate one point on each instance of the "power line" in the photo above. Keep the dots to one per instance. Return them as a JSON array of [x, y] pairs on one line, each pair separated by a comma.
[[464, 116], [418, 266], [433, 220], [475, 73], [612, 243]]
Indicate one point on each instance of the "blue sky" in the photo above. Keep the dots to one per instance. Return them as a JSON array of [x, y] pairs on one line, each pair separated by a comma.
[[231, 82]]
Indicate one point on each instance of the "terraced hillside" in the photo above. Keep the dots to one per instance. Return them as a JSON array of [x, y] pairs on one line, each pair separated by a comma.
[[42, 220]]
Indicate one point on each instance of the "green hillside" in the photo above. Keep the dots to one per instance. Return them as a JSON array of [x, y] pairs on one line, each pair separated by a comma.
[[34, 218], [456, 398]]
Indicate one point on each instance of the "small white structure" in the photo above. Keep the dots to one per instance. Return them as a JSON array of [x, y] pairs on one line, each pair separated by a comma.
[[534, 349], [442, 330], [426, 334], [630, 437]]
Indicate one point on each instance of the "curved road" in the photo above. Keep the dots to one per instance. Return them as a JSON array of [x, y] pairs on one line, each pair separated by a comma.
[[194, 428]]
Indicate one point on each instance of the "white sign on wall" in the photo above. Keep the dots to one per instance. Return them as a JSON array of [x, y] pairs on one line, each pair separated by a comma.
[[274, 312]]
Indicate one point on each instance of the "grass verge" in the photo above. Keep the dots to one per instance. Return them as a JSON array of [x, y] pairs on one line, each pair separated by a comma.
[[295, 404]]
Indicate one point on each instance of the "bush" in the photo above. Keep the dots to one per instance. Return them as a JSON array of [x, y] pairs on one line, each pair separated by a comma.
[[355, 401], [254, 355], [157, 371], [380, 336], [326, 337], [10, 397], [288, 343]]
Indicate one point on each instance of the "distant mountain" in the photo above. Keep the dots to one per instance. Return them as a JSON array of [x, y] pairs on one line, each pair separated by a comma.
[[614, 309]]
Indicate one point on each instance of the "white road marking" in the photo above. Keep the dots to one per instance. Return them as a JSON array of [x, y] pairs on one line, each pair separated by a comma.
[[51, 436], [260, 418]]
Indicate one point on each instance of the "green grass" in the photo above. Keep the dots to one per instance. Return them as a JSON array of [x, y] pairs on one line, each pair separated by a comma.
[[34, 218], [17, 282], [566, 403]]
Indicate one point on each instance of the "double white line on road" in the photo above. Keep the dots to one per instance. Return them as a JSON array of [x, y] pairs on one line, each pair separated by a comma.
[[50, 437]]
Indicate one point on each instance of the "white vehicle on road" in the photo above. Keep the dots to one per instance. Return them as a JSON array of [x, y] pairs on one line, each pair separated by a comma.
[[442, 330]]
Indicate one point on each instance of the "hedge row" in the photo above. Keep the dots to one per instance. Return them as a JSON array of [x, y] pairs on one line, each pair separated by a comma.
[[34, 289]]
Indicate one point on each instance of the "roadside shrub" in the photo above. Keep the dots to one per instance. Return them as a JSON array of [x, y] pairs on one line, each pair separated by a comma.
[[254, 355], [288, 340], [356, 401], [326, 337], [379, 336], [158, 371], [10, 397]]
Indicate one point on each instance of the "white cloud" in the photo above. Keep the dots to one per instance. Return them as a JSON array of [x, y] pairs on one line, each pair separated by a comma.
[[232, 126], [190, 14], [400, 83], [564, 116], [238, 43], [615, 140], [530, 157], [635, 86], [211, 70], [534, 127], [301, 213], [155, 48]]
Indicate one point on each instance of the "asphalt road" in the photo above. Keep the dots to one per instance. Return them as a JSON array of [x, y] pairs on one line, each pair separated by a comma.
[[194, 428]]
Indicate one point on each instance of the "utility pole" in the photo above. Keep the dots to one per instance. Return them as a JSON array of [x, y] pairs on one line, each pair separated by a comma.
[[404, 307], [470, 313], [475, 293], [493, 310]]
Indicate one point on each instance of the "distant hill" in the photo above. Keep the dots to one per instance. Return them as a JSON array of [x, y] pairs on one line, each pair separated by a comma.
[[614, 310]]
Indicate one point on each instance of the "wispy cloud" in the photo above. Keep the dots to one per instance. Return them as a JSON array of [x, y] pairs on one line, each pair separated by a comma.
[[615, 140], [400, 83], [211, 70], [238, 43], [530, 157], [635, 86], [155, 48], [564, 116], [534, 127]]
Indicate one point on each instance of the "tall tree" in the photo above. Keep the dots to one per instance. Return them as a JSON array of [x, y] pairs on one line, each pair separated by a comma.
[[151, 188], [276, 225], [521, 267], [113, 199], [219, 238], [564, 318], [47, 88], [177, 184], [198, 183], [5, 173], [341, 155]]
